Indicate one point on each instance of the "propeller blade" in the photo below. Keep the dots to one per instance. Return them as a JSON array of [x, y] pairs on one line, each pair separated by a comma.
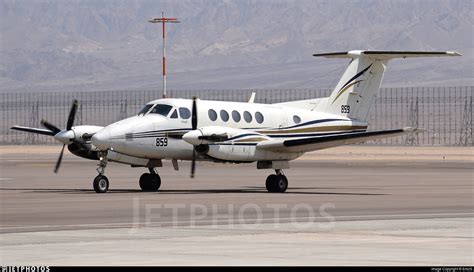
[[34, 130], [193, 164], [72, 115], [194, 115], [49, 126], [58, 163]]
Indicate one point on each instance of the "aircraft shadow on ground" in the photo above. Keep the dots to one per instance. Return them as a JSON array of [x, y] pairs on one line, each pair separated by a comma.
[[246, 190]]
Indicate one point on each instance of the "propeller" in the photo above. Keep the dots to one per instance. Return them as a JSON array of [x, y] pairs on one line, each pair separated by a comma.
[[64, 136], [60, 159], [194, 127], [49, 126]]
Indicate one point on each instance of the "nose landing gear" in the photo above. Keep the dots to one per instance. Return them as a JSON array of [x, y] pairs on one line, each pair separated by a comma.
[[101, 182], [277, 183]]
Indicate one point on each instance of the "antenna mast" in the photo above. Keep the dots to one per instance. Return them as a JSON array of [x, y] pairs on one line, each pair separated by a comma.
[[164, 20]]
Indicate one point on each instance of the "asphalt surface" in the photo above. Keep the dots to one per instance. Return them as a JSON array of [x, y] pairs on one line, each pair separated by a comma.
[[353, 206], [33, 198]]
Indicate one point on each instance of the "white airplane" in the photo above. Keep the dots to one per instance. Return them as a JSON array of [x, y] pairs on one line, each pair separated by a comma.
[[235, 132]]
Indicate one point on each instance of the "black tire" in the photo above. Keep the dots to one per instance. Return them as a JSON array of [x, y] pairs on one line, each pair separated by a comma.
[[281, 184], [101, 184], [143, 182], [155, 182], [276, 183], [270, 183], [150, 182]]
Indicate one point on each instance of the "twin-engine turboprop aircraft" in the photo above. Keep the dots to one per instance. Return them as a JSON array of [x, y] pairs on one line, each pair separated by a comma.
[[234, 132]]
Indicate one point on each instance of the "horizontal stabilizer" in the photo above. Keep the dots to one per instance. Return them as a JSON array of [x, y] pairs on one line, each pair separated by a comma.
[[386, 55], [34, 130]]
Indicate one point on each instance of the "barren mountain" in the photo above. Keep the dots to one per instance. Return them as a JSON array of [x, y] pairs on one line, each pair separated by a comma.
[[94, 45]]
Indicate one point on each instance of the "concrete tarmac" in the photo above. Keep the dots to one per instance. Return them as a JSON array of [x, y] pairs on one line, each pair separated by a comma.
[[353, 205]]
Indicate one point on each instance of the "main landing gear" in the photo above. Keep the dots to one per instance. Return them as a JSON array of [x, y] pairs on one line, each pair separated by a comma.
[[277, 183], [150, 182]]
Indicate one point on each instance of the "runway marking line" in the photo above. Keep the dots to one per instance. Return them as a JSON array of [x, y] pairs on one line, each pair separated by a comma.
[[176, 223]]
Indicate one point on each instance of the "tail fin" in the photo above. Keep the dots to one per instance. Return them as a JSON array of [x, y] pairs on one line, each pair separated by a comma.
[[353, 96]]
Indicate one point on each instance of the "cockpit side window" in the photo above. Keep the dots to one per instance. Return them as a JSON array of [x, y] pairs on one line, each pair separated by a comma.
[[161, 109], [174, 115], [145, 109]]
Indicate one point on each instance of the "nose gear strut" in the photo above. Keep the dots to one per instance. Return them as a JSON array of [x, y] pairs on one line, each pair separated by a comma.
[[101, 182]]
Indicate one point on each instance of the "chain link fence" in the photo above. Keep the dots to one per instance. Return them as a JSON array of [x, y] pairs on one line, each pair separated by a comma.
[[444, 112]]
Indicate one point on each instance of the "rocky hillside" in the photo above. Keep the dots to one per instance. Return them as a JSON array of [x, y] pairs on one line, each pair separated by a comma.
[[77, 45]]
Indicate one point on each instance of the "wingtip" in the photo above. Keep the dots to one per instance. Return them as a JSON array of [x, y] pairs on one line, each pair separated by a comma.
[[453, 53], [412, 129]]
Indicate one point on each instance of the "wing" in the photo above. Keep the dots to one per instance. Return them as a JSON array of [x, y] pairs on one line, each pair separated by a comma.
[[34, 130], [322, 142], [389, 54]]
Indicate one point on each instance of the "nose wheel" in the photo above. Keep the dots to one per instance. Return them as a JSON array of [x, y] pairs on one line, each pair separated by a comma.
[[150, 182], [277, 183], [101, 182]]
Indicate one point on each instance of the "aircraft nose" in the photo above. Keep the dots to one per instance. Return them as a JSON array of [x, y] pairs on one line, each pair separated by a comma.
[[101, 139]]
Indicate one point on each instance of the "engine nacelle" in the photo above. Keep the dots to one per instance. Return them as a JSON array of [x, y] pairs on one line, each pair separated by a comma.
[[79, 139], [84, 133], [84, 150], [217, 134], [233, 145], [78, 134]]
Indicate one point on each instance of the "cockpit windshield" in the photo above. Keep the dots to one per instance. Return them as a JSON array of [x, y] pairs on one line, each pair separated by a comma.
[[157, 108], [161, 109], [145, 109]]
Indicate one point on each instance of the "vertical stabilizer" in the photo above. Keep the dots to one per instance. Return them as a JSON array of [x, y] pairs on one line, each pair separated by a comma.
[[355, 92]]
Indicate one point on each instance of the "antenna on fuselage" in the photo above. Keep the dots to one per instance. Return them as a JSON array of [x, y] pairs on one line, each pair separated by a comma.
[[164, 20]]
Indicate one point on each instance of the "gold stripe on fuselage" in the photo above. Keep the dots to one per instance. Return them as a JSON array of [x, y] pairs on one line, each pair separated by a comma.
[[312, 129], [254, 139]]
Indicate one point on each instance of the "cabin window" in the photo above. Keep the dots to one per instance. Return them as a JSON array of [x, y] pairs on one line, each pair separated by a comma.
[[224, 116], [296, 119], [161, 109], [247, 116], [236, 116], [174, 115], [145, 109], [259, 117], [212, 114], [185, 113]]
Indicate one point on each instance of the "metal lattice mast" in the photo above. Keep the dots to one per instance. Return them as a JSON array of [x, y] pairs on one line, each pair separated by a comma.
[[164, 20], [466, 130]]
